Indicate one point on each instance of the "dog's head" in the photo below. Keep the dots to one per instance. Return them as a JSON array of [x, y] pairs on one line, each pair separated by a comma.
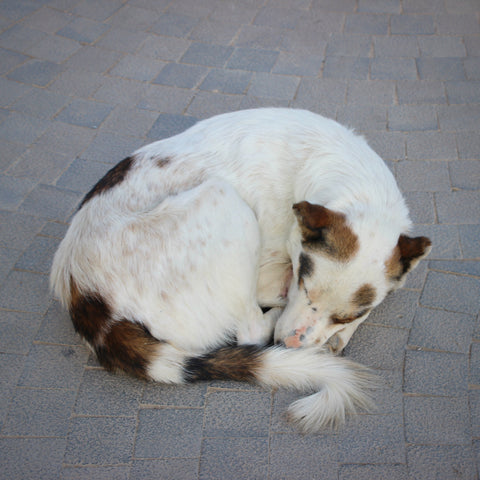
[[339, 274]]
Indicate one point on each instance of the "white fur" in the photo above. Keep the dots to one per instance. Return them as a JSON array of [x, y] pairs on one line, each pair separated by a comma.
[[201, 231]]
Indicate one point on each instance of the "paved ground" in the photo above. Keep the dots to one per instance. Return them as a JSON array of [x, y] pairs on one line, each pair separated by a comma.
[[85, 82]]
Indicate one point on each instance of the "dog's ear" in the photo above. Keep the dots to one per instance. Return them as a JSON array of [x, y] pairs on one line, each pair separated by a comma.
[[323, 228], [407, 253]]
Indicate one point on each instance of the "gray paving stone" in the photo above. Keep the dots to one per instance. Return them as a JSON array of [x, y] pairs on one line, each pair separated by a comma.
[[440, 68], [349, 45], [8, 257], [17, 330], [335, 5], [459, 117], [39, 255], [412, 118], [372, 439], [472, 42], [227, 81], [465, 174], [22, 128], [457, 24], [298, 64], [76, 83], [439, 330], [57, 327], [18, 230], [40, 103], [474, 402], [421, 207], [98, 472], [92, 59], [316, 94], [378, 347], [284, 465], [207, 55], [431, 146], [25, 292], [168, 125], [469, 235], [82, 175], [436, 373], [10, 154], [468, 145], [472, 68], [257, 102], [10, 60], [278, 17], [100, 390], [247, 457], [36, 72], [54, 366], [171, 468], [165, 99], [40, 165], [451, 292], [100, 441], [251, 59], [169, 433], [13, 191], [393, 68], [174, 395], [39, 458], [53, 48], [437, 46], [462, 6], [440, 462], [396, 46], [229, 414], [346, 67], [367, 472], [200, 8], [463, 92], [110, 148], [163, 48], [412, 24], [83, 30], [363, 118], [423, 176], [366, 92], [375, 6], [18, 38], [259, 36], [11, 91], [97, 9], [122, 40], [129, 121], [421, 427], [49, 202], [372, 24], [209, 30], [11, 367], [39, 412], [270, 85], [133, 18], [389, 145], [313, 36], [456, 266], [421, 92], [174, 25], [121, 91], [137, 68], [84, 113], [460, 207], [397, 310], [179, 75]]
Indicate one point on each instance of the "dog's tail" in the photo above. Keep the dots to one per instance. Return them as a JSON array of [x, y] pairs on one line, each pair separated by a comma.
[[342, 386]]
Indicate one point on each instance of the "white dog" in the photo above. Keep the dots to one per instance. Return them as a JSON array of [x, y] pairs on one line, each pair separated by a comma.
[[172, 255]]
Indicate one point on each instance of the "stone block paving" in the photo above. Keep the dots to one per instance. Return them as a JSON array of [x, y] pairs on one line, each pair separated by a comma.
[[85, 82]]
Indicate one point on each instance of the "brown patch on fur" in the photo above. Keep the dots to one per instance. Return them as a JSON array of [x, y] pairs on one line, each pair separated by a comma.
[[113, 177], [407, 251], [325, 229], [239, 363], [162, 162], [119, 345], [364, 296]]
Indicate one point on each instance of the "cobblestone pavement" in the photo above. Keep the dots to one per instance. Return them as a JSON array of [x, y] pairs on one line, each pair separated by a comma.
[[85, 82]]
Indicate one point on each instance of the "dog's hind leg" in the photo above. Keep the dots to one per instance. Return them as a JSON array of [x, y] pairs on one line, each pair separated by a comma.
[[258, 327]]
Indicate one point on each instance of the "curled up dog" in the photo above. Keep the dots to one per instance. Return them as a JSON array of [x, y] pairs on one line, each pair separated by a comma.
[[172, 256]]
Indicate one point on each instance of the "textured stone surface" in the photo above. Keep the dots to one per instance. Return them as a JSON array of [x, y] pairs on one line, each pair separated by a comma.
[[83, 83]]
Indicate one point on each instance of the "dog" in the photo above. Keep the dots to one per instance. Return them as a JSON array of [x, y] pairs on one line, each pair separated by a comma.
[[174, 255]]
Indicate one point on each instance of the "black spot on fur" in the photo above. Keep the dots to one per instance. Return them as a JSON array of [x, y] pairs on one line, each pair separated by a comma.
[[306, 267], [238, 363], [113, 177]]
